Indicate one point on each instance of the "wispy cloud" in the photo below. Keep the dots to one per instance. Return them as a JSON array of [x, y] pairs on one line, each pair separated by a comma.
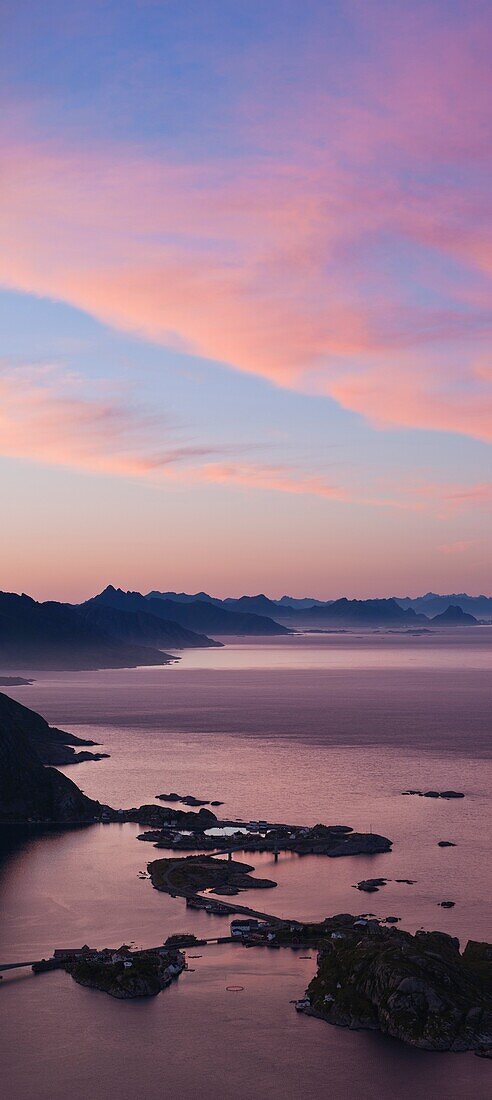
[[45, 416]]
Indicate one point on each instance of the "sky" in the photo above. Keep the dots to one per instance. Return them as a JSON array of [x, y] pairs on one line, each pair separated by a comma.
[[245, 256]]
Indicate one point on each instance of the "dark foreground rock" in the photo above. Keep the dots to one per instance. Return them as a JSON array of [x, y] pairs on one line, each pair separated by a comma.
[[419, 989], [29, 791]]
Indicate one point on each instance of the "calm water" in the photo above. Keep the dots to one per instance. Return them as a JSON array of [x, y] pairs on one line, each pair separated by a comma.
[[307, 729]]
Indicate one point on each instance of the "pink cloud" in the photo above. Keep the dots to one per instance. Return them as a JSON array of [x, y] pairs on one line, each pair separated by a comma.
[[431, 395], [459, 547], [444, 499], [277, 478], [349, 260]]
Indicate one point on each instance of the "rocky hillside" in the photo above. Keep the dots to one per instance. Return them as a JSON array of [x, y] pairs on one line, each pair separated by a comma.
[[30, 791]]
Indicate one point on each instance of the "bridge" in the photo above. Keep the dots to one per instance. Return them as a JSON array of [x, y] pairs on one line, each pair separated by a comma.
[[16, 966]]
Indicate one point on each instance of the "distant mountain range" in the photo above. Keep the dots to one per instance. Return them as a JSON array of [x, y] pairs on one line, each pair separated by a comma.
[[363, 613], [60, 636], [432, 604], [118, 629], [306, 614], [233, 617]]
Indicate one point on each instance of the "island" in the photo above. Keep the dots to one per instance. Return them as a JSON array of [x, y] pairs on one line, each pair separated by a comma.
[[370, 885], [250, 836], [120, 972], [195, 873], [419, 989], [187, 799], [436, 794]]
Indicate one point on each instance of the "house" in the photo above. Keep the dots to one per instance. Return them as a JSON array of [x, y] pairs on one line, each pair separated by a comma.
[[244, 926], [69, 952]]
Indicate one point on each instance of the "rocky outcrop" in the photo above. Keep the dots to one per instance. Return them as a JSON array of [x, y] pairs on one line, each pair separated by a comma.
[[419, 989], [52, 746]]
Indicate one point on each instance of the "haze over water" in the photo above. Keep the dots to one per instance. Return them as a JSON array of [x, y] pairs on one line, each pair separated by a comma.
[[307, 729]]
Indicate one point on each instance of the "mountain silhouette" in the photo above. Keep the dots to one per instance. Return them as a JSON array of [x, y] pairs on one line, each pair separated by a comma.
[[55, 636], [454, 616], [141, 627], [196, 614]]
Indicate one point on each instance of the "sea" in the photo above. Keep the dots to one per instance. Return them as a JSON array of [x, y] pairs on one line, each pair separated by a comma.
[[302, 729]]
